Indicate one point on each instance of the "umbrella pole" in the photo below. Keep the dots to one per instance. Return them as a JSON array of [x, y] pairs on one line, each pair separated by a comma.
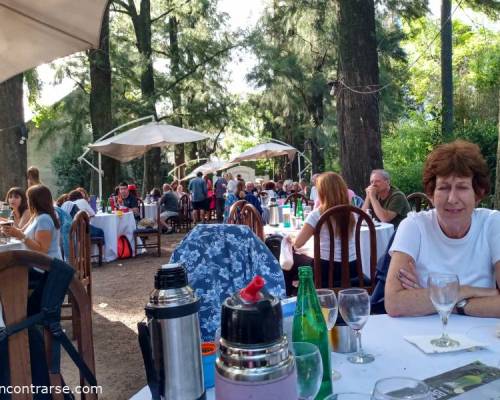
[[101, 172], [298, 161]]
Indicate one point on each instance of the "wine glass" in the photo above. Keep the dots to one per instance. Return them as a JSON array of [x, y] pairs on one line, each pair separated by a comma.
[[354, 307], [398, 388], [443, 290], [330, 309], [309, 369]]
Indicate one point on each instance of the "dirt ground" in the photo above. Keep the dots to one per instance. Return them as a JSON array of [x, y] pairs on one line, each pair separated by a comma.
[[120, 292]]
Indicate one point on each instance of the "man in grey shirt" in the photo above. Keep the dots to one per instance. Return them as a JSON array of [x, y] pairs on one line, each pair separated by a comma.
[[199, 192]]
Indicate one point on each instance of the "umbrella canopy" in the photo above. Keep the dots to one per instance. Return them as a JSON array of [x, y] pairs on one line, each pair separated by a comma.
[[266, 150], [35, 32], [209, 168], [135, 142]]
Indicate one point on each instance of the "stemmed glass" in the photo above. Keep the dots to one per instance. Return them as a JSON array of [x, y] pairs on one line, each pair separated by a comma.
[[330, 309], [399, 388], [309, 369], [444, 291], [354, 307]]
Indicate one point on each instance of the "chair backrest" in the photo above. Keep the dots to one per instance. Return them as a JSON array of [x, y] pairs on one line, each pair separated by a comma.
[[251, 217], [184, 207], [336, 220], [14, 266], [419, 201], [79, 248], [294, 197], [235, 212]]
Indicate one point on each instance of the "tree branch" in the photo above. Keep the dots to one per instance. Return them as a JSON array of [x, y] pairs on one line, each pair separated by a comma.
[[205, 61], [122, 4], [153, 20]]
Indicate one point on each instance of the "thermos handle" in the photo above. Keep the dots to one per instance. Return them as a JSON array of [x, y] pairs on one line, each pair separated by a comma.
[[147, 355]]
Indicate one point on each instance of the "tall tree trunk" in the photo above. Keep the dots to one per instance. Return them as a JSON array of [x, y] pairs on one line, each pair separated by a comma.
[[358, 113], [446, 71], [175, 58], [142, 28], [100, 101], [13, 154], [497, 182]]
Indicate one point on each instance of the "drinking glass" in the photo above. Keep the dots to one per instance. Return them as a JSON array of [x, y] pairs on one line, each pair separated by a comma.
[[444, 290], [354, 305], [396, 388], [309, 369], [330, 309]]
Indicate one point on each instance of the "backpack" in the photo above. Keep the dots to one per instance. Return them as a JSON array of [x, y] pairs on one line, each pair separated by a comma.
[[124, 248]]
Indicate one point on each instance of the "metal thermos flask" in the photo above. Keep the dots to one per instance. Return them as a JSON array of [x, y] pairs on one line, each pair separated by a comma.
[[170, 340], [254, 361], [274, 216]]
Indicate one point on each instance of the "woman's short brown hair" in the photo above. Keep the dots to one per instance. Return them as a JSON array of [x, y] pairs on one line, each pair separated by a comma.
[[459, 158]]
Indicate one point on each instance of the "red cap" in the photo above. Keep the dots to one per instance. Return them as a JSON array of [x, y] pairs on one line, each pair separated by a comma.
[[132, 187], [252, 292]]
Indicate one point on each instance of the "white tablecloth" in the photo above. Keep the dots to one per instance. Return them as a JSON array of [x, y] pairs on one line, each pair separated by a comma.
[[383, 337], [383, 231], [114, 227], [150, 211], [12, 245]]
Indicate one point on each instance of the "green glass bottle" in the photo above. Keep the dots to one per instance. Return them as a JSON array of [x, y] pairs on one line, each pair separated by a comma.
[[309, 325], [300, 209]]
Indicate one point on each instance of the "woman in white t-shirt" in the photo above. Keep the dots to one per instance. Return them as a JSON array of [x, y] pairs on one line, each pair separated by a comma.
[[332, 191], [454, 238]]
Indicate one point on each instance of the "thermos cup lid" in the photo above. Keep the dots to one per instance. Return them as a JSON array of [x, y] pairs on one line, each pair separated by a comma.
[[171, 276], [254, 319]]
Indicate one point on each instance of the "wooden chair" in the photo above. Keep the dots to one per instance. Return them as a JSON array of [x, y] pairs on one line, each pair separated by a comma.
[[14, 266], [251, 217], [79, 259], [336, 220], [235, 212], [99, 242], [146, 234], [184, 219], [419, 201], [292, 200]]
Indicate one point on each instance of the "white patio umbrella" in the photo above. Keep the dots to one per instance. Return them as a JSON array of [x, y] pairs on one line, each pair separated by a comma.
[[35, 32], [266, 150], [209, 168], [134, 143]]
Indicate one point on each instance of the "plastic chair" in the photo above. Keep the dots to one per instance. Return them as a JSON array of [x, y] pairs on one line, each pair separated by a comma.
[[150, 238]]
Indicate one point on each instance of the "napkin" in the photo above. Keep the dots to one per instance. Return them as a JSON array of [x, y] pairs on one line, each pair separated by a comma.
[[423, 342]]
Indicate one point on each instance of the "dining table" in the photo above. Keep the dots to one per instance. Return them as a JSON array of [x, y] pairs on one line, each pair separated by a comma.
[[114, 225], [384, 337], [383, 233]]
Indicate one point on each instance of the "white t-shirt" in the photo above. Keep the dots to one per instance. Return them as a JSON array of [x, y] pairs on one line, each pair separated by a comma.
[[83, 205], [324, 244], [472, 257], [313, 194]]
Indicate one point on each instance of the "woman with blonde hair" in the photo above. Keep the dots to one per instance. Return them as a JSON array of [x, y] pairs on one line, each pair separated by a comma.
[[33, 176], [332, 191]]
